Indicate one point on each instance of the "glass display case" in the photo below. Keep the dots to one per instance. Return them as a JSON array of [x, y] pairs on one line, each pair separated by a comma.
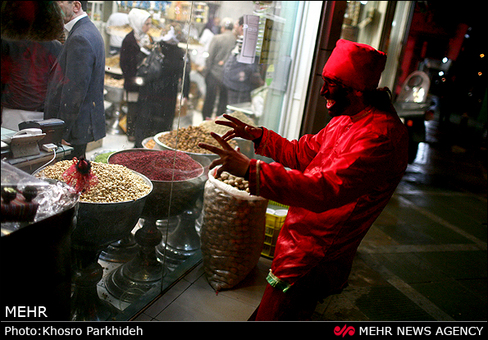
[[165, 243], [127, 253]]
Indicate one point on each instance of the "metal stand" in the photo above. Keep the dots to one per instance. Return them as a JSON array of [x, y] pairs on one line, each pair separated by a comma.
[[85, 302], [98, 225], [167, 200], [134, 278], [120, 251], [115, 95], [182, 243]]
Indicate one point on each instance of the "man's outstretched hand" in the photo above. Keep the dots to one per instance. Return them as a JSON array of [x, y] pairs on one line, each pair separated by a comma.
[[232, 161], [239, 129]]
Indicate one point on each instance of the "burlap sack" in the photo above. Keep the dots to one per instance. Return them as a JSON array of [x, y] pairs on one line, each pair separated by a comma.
[[232, 233]]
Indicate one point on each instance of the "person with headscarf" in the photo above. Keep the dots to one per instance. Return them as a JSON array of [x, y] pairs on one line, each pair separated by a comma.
[[157, 99], [135, 47], [336, 182]]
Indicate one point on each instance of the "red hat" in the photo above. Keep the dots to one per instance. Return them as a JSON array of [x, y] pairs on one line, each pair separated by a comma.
[[355, 65]]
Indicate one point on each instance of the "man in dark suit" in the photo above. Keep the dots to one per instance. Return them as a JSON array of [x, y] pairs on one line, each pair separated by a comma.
[[75, 94]]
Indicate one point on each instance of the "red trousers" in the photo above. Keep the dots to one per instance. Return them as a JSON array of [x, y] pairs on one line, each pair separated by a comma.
[[299, 301]]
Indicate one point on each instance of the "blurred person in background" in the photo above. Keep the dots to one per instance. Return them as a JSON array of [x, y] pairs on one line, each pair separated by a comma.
[[216, 27], [213, 25], [75, 94], [218, 52], [240, 78], [134, 49], [157, 99], [27, 67], [118, 19]]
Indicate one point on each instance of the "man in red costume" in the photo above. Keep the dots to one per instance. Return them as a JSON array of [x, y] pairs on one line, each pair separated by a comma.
[[338, 181]]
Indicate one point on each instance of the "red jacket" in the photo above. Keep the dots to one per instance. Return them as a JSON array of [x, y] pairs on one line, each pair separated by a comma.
[[340, 181]]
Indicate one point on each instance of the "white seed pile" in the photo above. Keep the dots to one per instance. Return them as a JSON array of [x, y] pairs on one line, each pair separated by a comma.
[[116, 183]]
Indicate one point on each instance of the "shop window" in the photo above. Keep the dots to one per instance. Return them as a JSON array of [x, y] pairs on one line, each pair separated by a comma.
[[241, 52]]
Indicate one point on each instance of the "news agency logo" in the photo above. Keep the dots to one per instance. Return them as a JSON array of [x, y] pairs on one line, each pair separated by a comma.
[[344, 330], [423, 330]]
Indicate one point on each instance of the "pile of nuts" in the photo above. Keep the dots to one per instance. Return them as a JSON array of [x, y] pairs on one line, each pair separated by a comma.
[[232, 235], [116, 183], [188, 139], [113, 61], [237, 182], [150, 144], [210, 125], [110, 81]]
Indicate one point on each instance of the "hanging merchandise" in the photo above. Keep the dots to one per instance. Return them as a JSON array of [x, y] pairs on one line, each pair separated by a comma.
[[251, 29], [232, 234]]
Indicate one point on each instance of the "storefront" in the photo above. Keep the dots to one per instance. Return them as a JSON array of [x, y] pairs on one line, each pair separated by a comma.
[[286, 43], [279, 40]]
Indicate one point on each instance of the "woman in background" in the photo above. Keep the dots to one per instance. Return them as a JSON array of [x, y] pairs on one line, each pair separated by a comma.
[[157, 99], [135, 47]]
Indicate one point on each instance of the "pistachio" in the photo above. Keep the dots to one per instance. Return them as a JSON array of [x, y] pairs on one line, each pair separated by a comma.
[[115, 183]]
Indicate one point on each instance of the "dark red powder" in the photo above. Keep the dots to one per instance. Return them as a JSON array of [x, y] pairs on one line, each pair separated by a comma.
[[159, 165]]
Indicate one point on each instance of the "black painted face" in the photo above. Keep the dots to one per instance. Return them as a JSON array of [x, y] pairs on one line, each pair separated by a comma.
[[341, 100], [338, 97]]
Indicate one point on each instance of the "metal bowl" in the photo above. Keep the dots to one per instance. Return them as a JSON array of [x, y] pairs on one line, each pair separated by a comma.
[[210, 156], [114, 94], [99, 224], [147, 140], [171, 198]]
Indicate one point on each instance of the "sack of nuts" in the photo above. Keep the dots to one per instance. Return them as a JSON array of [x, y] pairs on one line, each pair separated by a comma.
[[232, 233]]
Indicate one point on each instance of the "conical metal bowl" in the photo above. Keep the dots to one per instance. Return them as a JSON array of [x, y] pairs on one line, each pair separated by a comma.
[[163, 146], [98, 224], [171, 198]]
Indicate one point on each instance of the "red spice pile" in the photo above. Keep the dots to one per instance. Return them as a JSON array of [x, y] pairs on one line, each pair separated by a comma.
[[159, 165]]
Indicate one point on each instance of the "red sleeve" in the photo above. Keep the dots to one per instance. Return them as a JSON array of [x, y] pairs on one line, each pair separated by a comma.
[[331, 181], [292, 154]]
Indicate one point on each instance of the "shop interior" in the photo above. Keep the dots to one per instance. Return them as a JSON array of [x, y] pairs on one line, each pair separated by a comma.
[[126, 253]]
